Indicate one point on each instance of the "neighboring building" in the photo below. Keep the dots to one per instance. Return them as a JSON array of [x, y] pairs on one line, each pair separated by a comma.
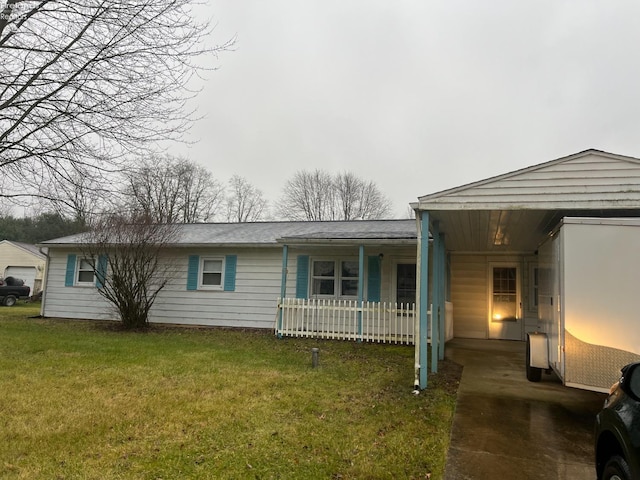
[[24, 261]]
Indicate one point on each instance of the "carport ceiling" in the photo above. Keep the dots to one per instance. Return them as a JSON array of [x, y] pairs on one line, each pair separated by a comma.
[[506, 231]]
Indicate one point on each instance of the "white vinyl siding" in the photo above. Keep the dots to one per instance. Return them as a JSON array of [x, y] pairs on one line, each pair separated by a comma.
[[469, 295], [251, 305], [584, 180]]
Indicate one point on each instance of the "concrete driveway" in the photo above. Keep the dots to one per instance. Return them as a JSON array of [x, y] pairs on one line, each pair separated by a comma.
[[508, 428]]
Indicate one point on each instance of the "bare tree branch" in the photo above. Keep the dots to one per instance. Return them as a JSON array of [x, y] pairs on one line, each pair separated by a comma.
[[86, 84], [245, 203], [173, 190], [319, 196]]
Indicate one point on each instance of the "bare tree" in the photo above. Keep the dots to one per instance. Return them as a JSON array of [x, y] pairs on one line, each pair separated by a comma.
[[173, 190], [129, 261], [245, 203], [84, 84], [357, 199], [307, 196], [319, 196]]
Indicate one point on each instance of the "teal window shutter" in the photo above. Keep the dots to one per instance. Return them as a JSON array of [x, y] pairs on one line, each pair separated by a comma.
[[302, 276], [374, 279], [101, 271], [71, 271], [230, 264], [192, 272]]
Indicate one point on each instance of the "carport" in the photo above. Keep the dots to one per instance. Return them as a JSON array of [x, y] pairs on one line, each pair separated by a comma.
[[486, 236]]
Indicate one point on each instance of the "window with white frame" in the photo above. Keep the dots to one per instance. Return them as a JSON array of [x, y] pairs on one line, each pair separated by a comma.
[[349, 279], [85, 272], [334, 278], [533, 288], [211, 269]]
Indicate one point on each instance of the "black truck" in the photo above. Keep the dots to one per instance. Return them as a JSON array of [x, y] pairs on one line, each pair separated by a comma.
[[11, 289]]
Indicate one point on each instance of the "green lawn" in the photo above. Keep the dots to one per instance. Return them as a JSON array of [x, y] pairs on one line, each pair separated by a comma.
[[84, 400]]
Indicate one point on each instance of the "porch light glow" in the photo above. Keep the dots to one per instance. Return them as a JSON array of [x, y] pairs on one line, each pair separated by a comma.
[[501, 237]]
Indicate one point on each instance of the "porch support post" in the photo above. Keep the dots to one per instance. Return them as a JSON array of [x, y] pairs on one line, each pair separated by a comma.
[[436, 308], [443, 296], [283, 286], [360, 289], [423, 297]]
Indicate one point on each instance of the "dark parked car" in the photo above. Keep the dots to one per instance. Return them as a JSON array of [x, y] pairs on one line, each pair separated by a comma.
[[11, 289], [617, 436]]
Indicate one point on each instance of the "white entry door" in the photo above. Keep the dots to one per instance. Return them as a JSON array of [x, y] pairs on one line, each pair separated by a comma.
[[505, 305]]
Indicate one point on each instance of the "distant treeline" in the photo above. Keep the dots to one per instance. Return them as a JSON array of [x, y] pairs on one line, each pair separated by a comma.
[[45, 226]]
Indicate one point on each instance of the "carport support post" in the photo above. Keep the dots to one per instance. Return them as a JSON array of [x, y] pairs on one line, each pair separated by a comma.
[[436, 309], [283, 287], [443, 297], [360, 289], [423, 297]]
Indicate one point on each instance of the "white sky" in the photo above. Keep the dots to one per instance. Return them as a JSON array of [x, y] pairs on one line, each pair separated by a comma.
[[418, 96]]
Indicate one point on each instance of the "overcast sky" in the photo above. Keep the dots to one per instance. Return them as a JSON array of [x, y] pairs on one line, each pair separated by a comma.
[[418, 96]]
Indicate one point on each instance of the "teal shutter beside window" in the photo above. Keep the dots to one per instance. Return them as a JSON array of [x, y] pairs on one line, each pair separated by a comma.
[[302, 276], [192, 272], [71, 271], [374, 279], [230, 264], [101, 271]]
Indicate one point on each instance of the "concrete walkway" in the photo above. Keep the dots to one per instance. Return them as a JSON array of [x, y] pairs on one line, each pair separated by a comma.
[[508, 428]]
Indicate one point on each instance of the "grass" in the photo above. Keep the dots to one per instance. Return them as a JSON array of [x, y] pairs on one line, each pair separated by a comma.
[[83, 400]]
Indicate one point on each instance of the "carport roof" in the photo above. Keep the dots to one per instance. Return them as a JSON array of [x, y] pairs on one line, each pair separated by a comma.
[[515, 212]]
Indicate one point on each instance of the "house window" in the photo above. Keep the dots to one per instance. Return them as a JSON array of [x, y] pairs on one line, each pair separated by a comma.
[[324, 278], [85, 272], [334, 278], [349, 279], [533, 289], [406, 281], [211, 272]]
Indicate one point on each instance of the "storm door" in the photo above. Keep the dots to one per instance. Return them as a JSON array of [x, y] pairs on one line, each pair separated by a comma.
[[505, 317]]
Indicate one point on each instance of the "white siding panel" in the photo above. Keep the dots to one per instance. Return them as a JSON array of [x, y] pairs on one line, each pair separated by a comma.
[[253, 304], [589, 181], [469, 295]]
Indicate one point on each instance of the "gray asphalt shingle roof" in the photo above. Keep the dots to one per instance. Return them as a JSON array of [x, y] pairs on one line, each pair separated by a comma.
[[266, 233]]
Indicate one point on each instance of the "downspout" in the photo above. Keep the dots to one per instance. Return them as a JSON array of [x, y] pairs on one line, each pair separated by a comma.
[[45, 280], [283, 287], [360, 289]]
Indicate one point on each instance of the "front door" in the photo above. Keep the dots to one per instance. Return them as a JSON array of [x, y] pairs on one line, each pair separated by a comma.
[[505, 307]]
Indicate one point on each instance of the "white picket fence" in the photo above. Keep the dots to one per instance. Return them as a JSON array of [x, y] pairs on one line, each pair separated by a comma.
[[346, 320]]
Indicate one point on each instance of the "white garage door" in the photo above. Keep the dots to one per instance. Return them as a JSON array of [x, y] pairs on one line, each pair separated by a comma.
[[28, 274]]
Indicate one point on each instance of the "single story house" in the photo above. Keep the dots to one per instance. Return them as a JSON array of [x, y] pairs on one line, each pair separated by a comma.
[[24, 261], [468, 262], [236, 274]]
